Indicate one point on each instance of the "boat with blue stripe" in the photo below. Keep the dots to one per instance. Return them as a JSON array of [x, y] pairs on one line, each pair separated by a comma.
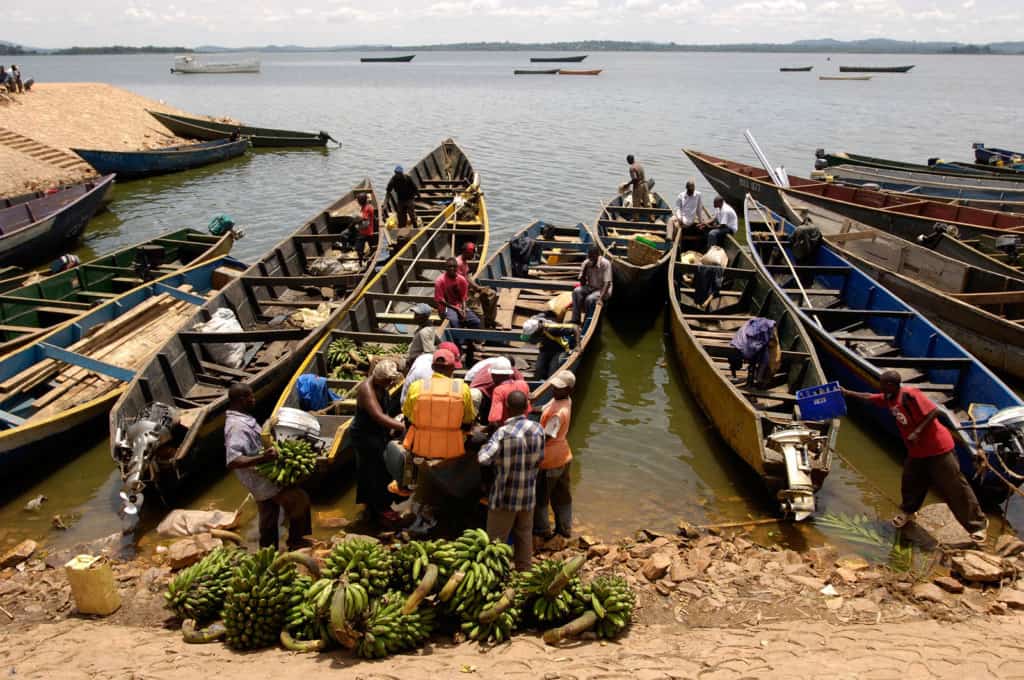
[[861, 329], [56, 389], [986, 155], [135, 164]]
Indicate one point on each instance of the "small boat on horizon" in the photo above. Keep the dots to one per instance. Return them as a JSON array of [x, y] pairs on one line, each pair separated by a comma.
[[403, 59], [189, 64], [579, 72], [875, 69], [795, 69], [934, 165], [844, 77], [535, 72], [987, 155], [558, 60]]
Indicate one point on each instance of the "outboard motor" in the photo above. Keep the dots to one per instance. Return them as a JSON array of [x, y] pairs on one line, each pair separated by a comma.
[[1008, 244], [147, 260], [134, 446], [820, 163], [797, 445], [939, 229], [1004, 434]]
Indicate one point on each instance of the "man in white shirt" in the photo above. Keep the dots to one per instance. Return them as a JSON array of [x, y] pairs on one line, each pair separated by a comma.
[[723, 223], [687, 210]]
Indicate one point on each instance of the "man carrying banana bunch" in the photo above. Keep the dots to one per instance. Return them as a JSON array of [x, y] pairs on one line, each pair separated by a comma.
[[244, 450]]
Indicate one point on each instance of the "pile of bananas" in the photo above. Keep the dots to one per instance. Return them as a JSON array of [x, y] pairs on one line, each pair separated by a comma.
[[604, 604], [198, 591], [478, 566], [259, 596], [348, 360], [295, 461], [499, 617], [305, 619], [544, 588], [387, 630], [409, 563], [363, 561]]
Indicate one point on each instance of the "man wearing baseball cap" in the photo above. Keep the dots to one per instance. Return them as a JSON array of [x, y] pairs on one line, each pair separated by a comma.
[[437, 409], [422, 368], [424, 340], [553, 480], [405, 191]]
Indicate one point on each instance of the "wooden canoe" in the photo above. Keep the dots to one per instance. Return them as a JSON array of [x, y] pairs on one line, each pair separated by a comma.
[[844, 77], [935, 165], [135, 164], [989, 155], [795, 69], [579, 72], [875, 69], [36, 227], [404, 59], [283, 309], [381, 316], [535, 72], [440, 176], [981, 310], [906, 218], [558, 60], [209, 130], [32, 309], [56, 390], [861, 329], [745, 413], [988, 194]]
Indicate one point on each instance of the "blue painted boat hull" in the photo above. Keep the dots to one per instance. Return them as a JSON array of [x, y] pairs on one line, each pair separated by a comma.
[[134, 164], [35, 444], [1000, 157], [915, 337]]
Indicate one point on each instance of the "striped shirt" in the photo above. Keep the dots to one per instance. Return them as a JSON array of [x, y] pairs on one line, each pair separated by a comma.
[[516, 450]]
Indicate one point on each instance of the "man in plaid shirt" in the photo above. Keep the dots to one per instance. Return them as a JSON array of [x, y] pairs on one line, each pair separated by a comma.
[[515, 450]]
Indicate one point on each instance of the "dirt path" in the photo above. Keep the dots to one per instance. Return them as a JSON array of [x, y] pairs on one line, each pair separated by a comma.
[[987, 648]]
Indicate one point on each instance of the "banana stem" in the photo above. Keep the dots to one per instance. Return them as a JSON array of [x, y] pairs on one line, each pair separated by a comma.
[[449, 588], [563, 577], [300, 558], [494, 611], [572, 629], [225, 535], [339, 627], [290, 643], [422, 590], [211, 633]]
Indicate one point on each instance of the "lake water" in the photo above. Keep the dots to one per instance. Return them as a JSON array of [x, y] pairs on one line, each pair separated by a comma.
[[546, 147]]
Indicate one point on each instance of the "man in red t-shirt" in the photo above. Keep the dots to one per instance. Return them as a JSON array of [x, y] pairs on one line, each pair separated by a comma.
[[367, 224], [931, 459], [506, 381], [450, 292]]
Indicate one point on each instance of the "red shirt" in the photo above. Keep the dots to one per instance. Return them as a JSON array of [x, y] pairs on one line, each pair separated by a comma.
[[461, 267], [909, 408], [498, 415], [370, 220], [452, 291]]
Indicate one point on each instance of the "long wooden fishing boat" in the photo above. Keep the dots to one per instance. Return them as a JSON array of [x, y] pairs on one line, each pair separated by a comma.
[[844, 77], [934, 165], [34, 227], [978, 308], [988, 155], [638, 269], [380, 321], [988, 194], [209, 130], [756, 416], [54, 391], [535, 72], [169, 422], [861, 329], [579, 72], [404, 59], [189, 64], [134, 164], [995, 234], [795, 69], [32, 309], [440, 176], [559, 60], [875, 69]]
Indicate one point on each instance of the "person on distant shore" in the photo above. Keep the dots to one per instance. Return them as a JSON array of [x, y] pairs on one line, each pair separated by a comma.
[[931, 459], [16, 78], [638, 183], [595, 284], [5, 77], [367, 224], [723, 223], [687, 210], [405, 191], [515, 450], [451, 291], [553, 480], [243, 451]]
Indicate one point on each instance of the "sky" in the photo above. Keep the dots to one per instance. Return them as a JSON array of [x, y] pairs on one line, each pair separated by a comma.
[[234, 23]]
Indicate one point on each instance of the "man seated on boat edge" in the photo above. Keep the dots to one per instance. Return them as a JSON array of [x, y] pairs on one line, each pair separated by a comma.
[[244, 450], [595, 279], [931, 456], [723, 223], [686, 213]]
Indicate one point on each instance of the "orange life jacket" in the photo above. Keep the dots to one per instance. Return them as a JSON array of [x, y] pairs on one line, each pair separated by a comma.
[[436, 430], [557, 452]]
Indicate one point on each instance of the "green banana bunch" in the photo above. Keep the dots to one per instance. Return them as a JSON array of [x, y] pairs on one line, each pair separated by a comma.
[[198, 591], [479, 566], [409, 563], [260, 594], [338, 351], [544, 589], [386, 630], [365, 562], [605, 604], [499, 617], [349, 604], [304, 620], [295, 462]]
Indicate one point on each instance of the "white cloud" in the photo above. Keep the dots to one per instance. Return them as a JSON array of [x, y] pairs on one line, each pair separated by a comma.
[[934, 14], [968, 5]]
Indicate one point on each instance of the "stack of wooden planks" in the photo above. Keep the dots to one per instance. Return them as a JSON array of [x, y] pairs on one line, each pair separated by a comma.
[[127, 341]]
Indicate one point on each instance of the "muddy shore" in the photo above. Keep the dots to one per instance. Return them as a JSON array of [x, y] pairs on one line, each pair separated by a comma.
[[38, 129]]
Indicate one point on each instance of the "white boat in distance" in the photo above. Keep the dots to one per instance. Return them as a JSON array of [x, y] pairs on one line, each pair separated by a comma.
[[188, 64]]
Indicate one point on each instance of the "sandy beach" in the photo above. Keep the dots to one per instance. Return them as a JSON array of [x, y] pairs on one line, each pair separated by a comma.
[[59, 116]]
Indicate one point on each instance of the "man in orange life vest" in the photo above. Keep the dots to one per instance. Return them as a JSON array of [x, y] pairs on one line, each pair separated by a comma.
[[553, 480]]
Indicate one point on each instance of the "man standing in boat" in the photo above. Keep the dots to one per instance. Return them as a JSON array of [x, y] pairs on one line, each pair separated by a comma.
[[405, 191], [931, 458], [595, 284], [638, 182], [367, 224], [687, 210], [244, 450]]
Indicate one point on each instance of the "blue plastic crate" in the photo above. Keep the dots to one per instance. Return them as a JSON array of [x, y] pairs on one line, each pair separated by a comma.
[[823, 402]]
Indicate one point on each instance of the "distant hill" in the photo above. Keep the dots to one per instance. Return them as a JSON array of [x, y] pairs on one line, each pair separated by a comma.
[[820, 45]]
